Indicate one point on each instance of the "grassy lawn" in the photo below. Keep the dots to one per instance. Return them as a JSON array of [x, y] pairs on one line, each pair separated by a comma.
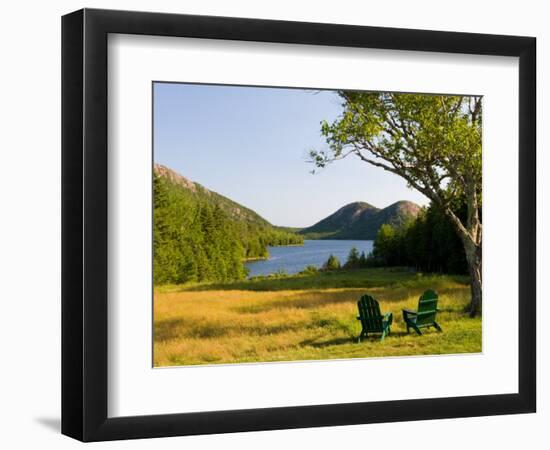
[[305, 317]]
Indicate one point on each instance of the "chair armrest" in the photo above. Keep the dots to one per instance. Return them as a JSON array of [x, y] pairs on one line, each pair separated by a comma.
[[388, 317], [408, 311]]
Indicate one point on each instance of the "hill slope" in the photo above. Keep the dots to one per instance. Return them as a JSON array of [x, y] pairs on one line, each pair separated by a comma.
[[360, 220], [200, 235], [233, 209]]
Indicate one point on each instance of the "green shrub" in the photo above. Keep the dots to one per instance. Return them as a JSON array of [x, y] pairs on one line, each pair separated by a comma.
[[332, 263], [309, 270]]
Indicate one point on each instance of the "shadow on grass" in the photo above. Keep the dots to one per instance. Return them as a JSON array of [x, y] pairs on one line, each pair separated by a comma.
[[329, 343], [166, 330], [319, 298], [354, 278], [352, 339], [400, 293], [172, 329], [307, 300], [358, 278]]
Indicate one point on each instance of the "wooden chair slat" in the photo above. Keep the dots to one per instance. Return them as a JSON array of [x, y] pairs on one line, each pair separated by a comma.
[[371, 319], [425, 314]]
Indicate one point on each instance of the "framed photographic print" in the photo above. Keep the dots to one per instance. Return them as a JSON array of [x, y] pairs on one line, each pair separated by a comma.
[[273, 224]]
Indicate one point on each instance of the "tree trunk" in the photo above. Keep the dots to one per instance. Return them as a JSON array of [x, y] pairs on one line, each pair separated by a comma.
[[473, 258], [471, 240]]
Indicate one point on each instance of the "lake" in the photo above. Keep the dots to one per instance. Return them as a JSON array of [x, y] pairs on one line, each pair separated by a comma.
[[293, 259]]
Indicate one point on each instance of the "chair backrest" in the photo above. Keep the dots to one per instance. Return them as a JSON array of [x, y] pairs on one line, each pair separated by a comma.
[[427, 307], [369, 312]]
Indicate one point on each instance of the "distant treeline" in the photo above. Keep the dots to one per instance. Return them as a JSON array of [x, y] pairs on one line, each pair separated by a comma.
[[428, 243], [195, 239]]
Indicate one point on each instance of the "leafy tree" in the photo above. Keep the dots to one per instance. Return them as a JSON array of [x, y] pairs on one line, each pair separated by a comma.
[[332, 263], [353, 259], [432, 141], [309, 270], [386, 248]]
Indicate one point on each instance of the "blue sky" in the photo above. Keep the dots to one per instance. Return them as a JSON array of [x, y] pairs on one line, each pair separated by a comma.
[[251, 145]]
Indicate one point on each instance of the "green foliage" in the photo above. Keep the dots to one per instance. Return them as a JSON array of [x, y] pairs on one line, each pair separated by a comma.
[[429, 243], [433, 141], [309, 270], [332, 263], [388, 247], [197, 239], [193, 240], [353, 259]]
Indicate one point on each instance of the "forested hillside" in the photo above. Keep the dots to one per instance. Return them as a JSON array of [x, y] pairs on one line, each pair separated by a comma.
[[200, 235]]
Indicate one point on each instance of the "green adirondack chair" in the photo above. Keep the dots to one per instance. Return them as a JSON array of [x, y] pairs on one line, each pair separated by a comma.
[[424, 317], [371, 319]]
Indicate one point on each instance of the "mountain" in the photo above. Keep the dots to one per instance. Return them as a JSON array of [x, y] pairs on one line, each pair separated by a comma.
[[233, 209], [360, 220]]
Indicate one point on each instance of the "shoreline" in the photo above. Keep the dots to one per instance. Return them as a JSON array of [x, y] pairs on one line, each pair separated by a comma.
[[256, 258], [264, 258]]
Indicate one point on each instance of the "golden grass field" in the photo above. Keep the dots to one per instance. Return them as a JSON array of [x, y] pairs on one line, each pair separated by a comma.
[[305, 318]]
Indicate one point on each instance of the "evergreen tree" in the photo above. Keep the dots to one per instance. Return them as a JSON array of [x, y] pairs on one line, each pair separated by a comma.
[[428, 243], [332, 263], [353, 259], [363, 260]]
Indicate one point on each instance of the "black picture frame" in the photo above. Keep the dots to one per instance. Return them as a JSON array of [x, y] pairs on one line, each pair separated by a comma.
[[84, 224]]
